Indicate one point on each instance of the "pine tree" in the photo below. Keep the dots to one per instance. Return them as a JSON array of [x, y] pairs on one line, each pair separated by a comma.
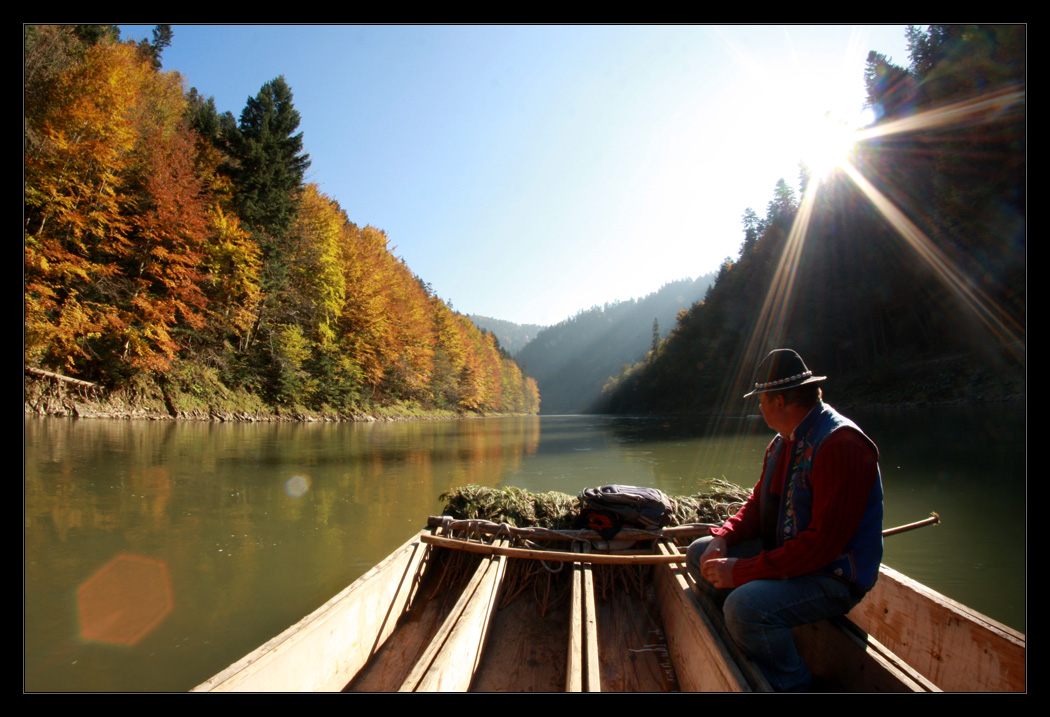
[[783, 204], [753, 227], [152, 51], [270, 162], [890, 89]]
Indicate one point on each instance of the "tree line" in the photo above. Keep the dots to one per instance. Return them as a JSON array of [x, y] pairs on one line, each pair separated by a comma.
[[166, 241]]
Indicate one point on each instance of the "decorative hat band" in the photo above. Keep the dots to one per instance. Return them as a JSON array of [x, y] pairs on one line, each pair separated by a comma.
[[789, 379]]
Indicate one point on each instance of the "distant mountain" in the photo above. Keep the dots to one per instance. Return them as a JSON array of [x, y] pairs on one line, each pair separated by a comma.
[[571, 361], [512, 337]]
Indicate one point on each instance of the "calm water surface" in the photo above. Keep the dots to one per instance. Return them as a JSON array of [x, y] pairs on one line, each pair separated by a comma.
[[158, 553]]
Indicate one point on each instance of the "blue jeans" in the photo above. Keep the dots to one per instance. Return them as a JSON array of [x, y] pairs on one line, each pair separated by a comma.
[[760, 614]]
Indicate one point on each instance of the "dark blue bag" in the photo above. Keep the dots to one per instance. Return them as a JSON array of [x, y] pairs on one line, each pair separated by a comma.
[[624, 505]]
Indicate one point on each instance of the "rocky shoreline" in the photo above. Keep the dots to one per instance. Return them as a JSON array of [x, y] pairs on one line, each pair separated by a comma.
[[48, 394]]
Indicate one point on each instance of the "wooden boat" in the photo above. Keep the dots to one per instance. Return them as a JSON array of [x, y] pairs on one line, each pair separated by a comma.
[[406, 626]]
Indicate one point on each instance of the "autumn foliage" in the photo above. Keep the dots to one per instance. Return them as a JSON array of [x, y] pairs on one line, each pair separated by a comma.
[[149, 243]]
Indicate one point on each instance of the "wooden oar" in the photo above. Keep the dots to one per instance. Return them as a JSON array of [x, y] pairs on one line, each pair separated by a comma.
[[934, 519], [552, 556], [557, 556]]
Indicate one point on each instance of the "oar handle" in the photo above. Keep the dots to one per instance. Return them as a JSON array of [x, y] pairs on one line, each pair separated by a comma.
[[934, 519]]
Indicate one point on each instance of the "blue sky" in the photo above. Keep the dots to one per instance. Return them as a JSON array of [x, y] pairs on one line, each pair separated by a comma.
[[528, 172]]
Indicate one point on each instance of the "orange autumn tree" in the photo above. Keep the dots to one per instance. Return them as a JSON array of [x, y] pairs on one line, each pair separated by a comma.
[[161, 284], [411, 368], [364, 324], [492, 373], [114, 219], [75, 226], [480, 380], [532, 395], [512, 393]]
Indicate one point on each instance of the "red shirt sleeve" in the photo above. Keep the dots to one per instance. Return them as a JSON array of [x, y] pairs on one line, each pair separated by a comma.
[[844, 472]]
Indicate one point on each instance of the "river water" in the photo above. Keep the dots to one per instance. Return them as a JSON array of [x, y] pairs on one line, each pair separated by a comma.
[[156, 553]]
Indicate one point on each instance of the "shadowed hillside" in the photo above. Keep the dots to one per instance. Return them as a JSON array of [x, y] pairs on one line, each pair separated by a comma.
[[572, 361]]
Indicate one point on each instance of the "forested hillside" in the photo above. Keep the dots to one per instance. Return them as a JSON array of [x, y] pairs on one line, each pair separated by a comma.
[[174, 249], [511, 337], [572, 360], [902, 275]]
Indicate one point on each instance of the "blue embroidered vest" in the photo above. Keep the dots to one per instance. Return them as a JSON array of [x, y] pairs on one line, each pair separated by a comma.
[[859, 562]]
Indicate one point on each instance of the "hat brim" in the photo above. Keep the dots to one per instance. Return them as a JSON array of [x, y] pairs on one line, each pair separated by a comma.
[[785, 387]]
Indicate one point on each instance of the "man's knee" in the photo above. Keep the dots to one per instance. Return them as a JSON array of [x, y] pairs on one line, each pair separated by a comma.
[[746, 609], [787, 603]]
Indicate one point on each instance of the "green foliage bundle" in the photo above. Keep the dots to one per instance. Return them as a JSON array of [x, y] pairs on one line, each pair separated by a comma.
[[716, 505], [512, 505], [559, 511]]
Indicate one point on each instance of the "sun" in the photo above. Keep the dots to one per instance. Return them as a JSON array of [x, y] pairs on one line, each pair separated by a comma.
[[826, 144]]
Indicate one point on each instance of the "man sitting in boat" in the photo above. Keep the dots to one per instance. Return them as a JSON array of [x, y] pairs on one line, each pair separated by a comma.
[[808, 542]]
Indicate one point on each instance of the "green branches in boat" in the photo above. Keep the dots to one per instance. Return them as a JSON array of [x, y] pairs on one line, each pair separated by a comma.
[[559, 511]]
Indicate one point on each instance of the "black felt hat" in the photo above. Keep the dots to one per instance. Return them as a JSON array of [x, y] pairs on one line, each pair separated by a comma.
[[780, 370]]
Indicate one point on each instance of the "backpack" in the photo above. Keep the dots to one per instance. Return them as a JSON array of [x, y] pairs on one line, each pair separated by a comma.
[[607, 508]]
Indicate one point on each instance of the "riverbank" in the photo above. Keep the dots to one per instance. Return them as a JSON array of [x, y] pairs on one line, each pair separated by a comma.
[[192, 397], [958, 378], [897, 382]]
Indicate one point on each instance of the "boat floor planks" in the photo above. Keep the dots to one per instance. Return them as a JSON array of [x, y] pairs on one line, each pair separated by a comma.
[[525, 652], [583, 672], [453, 657], [632, 646], [391, 665]]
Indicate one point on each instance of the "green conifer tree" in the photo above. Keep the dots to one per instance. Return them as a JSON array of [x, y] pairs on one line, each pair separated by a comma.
[[270, 159]]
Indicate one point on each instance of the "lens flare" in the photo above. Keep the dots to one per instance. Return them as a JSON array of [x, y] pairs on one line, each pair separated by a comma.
[[122, 603], [296, 486]]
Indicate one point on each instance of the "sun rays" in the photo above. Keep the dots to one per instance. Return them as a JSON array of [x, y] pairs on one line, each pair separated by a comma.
[[1009, 332], [770, 327], [976, 110]]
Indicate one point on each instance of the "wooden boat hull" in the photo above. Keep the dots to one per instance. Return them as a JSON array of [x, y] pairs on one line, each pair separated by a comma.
[[402, 626], [955, 647]]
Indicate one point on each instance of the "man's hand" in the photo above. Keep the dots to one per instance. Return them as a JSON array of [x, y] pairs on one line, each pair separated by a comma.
[[718, 571], [715, 567], [715, 549]]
